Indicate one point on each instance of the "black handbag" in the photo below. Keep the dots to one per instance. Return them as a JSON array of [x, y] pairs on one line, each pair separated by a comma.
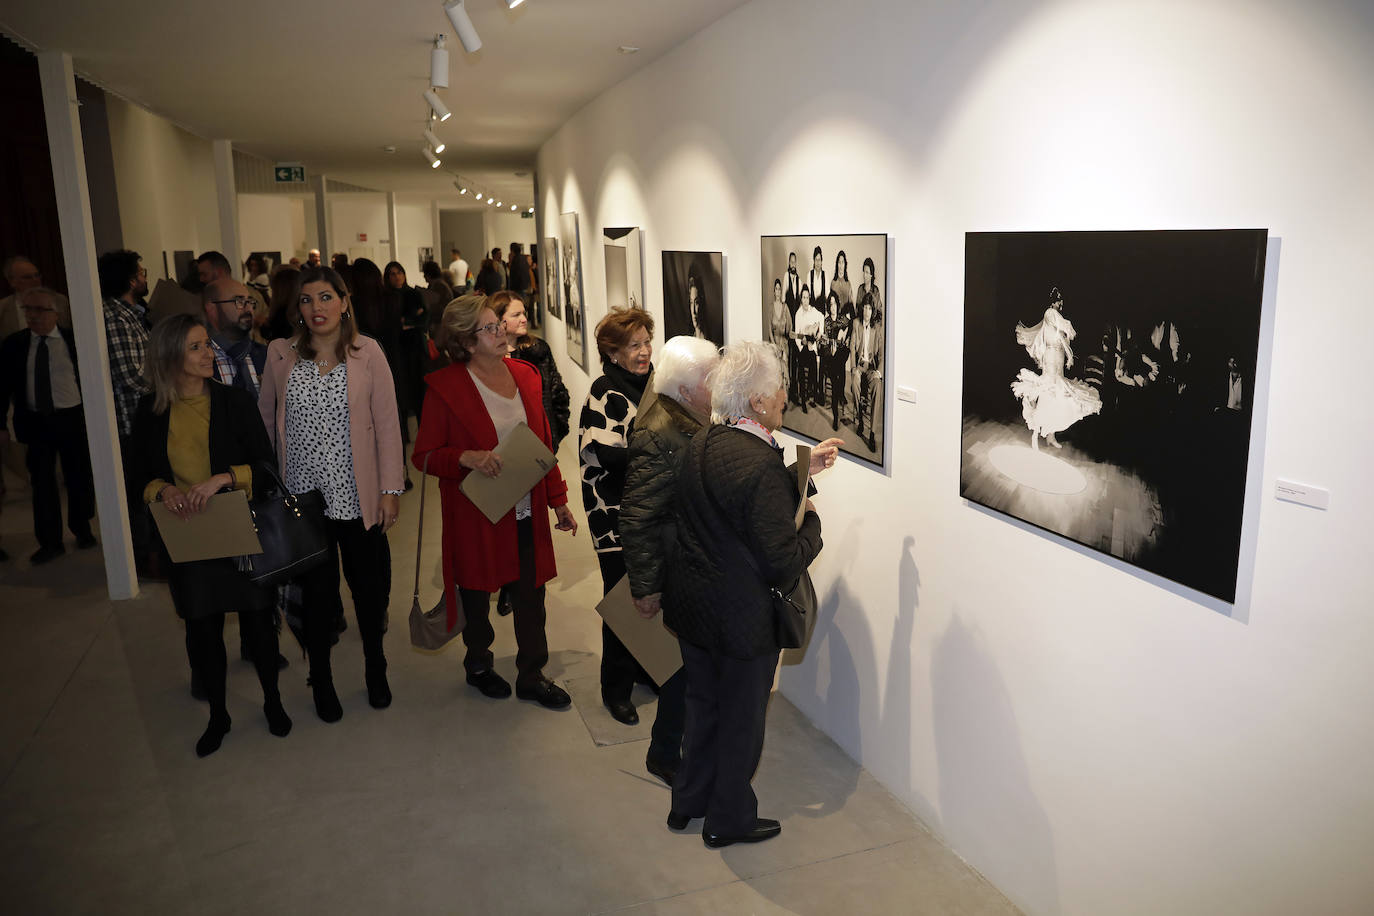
[[290, 527], [429, 629], [794, 608]]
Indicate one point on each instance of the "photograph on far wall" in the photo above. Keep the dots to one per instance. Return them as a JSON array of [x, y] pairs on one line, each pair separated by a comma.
[[624, 250], [576, 314], [825, 310], [694, 295], [549, 288], [1108, 390]]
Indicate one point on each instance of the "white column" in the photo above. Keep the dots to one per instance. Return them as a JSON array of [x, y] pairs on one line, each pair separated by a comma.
[[438, 232], [393, 226], [322, 217], [228, 204], [88, 320]]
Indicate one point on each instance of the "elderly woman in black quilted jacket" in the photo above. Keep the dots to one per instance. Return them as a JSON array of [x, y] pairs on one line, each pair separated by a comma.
[[736, 504]]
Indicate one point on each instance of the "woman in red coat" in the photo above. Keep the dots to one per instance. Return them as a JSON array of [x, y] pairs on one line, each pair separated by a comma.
[[469, 407]]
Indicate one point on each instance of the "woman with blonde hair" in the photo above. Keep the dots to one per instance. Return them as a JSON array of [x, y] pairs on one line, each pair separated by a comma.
[[329, 404], [194, 437], [472, 405]]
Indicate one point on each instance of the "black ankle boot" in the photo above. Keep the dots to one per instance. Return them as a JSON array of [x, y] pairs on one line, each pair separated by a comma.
[[327, 705], [378, 690], [214, 734], [278, 722]]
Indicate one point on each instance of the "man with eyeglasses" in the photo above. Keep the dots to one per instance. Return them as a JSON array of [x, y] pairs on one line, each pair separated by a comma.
[[23, 275], [239, 360], [38, 373]]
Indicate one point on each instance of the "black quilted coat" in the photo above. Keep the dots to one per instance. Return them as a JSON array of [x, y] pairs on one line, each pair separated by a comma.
[[714, 598], [648, 529]]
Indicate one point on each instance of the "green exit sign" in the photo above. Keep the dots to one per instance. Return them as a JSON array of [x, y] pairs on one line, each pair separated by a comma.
[[290, 171]]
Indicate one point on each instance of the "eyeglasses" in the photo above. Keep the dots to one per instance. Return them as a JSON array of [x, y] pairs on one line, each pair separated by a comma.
[[497, 327], [243, 302]]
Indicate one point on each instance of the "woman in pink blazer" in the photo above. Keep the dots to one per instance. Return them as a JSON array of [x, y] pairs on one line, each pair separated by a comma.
[[329, 404]]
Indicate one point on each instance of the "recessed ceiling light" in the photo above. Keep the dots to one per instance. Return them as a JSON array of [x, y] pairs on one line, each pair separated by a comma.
[[628, 49]]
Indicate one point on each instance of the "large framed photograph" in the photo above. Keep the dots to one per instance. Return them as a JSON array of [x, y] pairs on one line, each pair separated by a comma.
[[694, 295], [575, 311], [624, 253], [825, 312], [549, 256], [1108, 390]]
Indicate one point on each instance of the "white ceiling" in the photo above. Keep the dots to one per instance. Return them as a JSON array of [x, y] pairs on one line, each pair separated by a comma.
[[331, 82]]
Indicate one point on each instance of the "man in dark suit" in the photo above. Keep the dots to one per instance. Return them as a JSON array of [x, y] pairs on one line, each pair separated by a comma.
[[38, 372], [792, 297]]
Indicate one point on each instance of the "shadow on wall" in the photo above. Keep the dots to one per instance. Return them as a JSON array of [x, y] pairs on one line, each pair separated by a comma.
[[987, 803]]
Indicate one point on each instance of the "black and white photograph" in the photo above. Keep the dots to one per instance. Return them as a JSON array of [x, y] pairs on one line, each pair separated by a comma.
[[694, 295], [824, 310], [1108, 386], [576, 311], [624, 249], [548, 260]]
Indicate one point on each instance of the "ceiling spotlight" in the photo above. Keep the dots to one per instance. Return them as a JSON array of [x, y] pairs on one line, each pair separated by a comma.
[[438, 145], [479, 197], [462, 190], [458, 15], [498, 203], [429, 154], [628, 49], [531, 210], [513, 208], [512, 4], [440, 111], [438, 64]]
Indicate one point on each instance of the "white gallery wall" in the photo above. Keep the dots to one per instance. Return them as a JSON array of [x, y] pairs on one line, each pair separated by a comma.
[[1090, 737], [165, 179], [272, 222], [503, 227]]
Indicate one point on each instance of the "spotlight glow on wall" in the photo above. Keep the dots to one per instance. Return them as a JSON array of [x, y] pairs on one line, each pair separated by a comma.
[[429, 154], [458, 15], [434, 142], [436, 105]]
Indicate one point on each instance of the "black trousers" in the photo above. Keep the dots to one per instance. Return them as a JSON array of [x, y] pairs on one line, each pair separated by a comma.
[[727, 702], [670, 722], [205, 646], [527, 612], [619, 670], [365, 555], [142, 532], [864, 417], [61, 434]]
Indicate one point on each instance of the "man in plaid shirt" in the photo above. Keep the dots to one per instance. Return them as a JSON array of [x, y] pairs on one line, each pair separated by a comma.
[[123, 280]]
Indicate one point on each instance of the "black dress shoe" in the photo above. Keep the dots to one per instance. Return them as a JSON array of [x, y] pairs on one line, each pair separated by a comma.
[[490, 683], [327, 705], [44, 554], [378, 690], [763, 829], [4, 555], [664, 771], [677, 820], [86, 541], [623, 711], [544, 692]]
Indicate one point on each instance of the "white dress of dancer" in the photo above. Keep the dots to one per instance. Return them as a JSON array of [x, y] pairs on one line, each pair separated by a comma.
[[1049, 402]]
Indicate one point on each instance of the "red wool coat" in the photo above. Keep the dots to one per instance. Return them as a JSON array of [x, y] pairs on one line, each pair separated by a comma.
[[478, 554]]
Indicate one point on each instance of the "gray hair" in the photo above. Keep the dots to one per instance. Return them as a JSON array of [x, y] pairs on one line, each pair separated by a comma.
[[682, 363], [8, 267], [746, 370], [43, 291]]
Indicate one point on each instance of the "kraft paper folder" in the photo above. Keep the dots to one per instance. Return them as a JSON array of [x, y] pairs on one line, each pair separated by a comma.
[[224, 528], [803, 476], [524, 460], [648, 640]]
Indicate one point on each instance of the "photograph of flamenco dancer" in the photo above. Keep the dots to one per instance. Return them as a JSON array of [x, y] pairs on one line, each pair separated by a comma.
[[826, 319], [549, 288], [694, 295], [571, 265], [1107, 388]]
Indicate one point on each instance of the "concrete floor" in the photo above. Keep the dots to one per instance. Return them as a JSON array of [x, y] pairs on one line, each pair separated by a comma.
[[445, 803]]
